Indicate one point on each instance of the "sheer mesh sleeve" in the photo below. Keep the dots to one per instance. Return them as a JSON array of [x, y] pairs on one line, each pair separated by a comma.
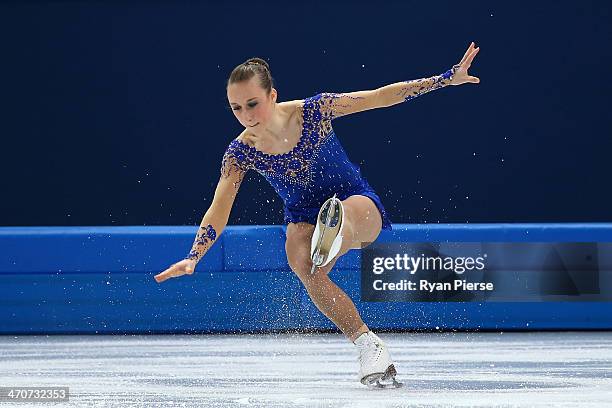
[[327, 106], [417, 87], [331, 105], [237, 160], [318, 111]]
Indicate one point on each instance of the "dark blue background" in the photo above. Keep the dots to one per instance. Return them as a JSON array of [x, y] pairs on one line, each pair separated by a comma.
[[116, 114]]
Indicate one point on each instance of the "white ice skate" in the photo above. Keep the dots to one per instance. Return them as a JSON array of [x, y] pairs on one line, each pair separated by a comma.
[[327, 237], [377, 369]]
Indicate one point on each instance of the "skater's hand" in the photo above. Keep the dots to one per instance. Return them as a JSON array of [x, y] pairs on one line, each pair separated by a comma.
[[184, 267], [461, 75]]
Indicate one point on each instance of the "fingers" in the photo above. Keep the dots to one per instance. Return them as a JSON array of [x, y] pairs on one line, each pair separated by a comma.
[[468, 62], [473, 54], [467, 53], [159, 278], [175, 270], [167, 274]]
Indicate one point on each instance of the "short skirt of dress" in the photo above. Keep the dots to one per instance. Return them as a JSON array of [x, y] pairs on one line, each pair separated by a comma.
[[309, 214]]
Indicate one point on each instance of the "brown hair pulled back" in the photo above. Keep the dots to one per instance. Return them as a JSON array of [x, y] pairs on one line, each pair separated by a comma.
[[250, 68]]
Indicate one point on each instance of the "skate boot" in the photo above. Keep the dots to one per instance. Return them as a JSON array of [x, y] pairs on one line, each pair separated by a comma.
[[377, 369], [327, 237]]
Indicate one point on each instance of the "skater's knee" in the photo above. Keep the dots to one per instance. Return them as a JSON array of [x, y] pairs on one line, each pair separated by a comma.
[[301, 264], [296, 247]]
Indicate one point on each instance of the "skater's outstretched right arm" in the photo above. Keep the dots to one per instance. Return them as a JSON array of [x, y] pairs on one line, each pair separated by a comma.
[[214, 221]]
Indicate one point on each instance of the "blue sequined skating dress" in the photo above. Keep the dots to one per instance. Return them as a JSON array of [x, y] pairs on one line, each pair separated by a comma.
[[314, 170]]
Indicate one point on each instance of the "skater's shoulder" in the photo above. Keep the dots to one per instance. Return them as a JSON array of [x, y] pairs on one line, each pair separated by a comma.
[[244, 138], [290, 106], [238, 148], [243, 142]]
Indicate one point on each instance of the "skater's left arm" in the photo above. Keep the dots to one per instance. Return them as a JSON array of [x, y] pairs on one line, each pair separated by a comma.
[[340, 104]]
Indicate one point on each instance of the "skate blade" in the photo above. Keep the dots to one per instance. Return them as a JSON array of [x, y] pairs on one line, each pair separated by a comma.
[[384, 380], [329, 221], [380, 385]]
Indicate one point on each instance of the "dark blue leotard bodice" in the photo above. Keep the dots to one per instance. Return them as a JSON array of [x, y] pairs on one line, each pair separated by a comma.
[[314, 170]]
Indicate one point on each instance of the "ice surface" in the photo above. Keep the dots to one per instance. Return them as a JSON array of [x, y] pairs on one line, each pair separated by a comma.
[[572, 369]]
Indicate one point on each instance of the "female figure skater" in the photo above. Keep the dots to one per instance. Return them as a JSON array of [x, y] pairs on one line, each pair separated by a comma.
[[329, 207]]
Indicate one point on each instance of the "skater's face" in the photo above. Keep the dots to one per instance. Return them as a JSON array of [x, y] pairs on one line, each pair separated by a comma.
[[251, 104]]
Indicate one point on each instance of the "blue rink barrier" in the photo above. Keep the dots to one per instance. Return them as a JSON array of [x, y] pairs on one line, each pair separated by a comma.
[[100, 280]]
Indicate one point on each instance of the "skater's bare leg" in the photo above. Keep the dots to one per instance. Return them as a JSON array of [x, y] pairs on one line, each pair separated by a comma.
[[362, 223]]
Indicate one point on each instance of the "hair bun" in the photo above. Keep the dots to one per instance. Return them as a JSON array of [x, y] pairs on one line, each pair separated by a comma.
[[257, 61]]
